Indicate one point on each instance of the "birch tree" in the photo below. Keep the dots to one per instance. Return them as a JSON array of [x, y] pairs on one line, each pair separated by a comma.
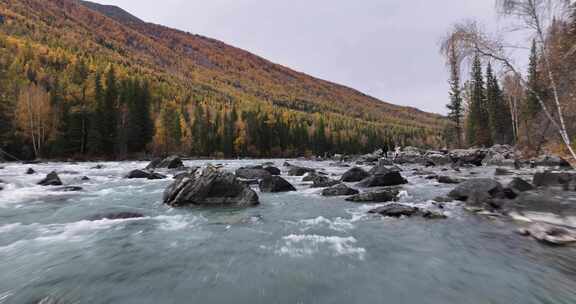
[[34, 117]]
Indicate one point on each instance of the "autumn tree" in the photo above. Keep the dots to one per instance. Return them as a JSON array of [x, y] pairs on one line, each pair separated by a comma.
[[34, 117]]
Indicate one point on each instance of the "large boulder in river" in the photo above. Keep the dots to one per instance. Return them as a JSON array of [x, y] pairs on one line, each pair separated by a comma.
[[485, 187], [170, 162], [210, 188], [549, 178], [383, 178], [253, 172], [52, 179], [339, 190], [382, 196], [274, 184], [143, 174], [355, 174]]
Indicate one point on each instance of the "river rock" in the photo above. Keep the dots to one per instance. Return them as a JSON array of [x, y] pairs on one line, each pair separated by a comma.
[[339, 190], [383, 179], [437, 158], [273, 170], [52, 179], [552, 161], [141, 174], [483, 187], [355, 174], [550, 234], [30, 171], [395, 210], [375, 197], [549, 178], [321, 181], [299, 171], [170, 162], [502, 172], [444, 179], [520, 185], [274, 184], [98, 167], [253, 172], [468, 156], [210, 188]]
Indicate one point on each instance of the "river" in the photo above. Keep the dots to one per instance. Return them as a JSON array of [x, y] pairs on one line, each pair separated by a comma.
[[296, 247]]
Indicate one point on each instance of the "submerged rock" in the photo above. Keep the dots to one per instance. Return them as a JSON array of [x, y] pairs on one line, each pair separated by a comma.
[[52, 179], [170, 162], [355, 174], [69, 189], [339, 190], [115, 216], [550, 234], [30, 171], [98, 167], [382, 196], [211, 188], [274, 184], [84, 178], [141, 174], [253, 172]]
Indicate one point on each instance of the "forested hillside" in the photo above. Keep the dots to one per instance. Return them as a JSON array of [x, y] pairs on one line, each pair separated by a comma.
[[78, 79]]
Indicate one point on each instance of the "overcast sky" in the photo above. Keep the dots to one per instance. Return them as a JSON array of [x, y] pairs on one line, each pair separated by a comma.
[[385, 48]]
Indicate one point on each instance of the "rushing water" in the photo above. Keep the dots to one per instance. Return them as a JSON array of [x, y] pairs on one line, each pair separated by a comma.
[[294, 248]]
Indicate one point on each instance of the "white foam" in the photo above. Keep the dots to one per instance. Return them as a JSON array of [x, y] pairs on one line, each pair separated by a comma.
[[301, 245], [337, 224]]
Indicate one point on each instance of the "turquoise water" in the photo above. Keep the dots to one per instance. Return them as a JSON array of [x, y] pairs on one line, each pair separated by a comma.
[[294, 248]]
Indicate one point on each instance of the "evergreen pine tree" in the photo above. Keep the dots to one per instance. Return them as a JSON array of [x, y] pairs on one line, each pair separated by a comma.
[[95, 137], [455, 106], [478, 126], [532, 106], [498, 111], [109, 111]]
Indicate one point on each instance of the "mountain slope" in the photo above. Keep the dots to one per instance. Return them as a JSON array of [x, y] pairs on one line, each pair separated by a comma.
[[183, 66], [211, 54]]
